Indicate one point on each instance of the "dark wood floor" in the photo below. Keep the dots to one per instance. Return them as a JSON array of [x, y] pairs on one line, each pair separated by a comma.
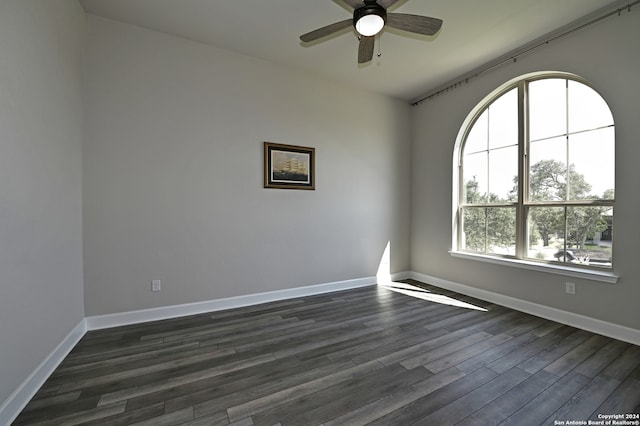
[[366, 356]]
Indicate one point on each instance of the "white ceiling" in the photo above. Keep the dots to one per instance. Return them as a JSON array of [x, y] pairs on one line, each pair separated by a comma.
[[474, 32]]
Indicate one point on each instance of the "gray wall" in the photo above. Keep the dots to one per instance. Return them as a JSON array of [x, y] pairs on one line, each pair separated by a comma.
[[606, 55], [41, 294], [173, 174]]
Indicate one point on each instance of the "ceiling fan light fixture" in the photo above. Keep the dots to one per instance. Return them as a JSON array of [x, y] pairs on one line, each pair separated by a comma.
[[370, 19], [369, 25]]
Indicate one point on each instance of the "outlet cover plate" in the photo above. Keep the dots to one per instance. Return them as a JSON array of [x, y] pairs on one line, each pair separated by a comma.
[[570, 288]]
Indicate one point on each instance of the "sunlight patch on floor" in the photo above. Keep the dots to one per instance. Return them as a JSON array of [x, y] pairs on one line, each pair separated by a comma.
[[424, 294]]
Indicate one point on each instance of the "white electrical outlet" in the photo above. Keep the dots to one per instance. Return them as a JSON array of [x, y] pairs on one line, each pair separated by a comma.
[[156, 285], [570, 288]]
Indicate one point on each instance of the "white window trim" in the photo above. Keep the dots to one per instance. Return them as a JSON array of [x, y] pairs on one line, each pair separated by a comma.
[[586, 274], [608, 276]]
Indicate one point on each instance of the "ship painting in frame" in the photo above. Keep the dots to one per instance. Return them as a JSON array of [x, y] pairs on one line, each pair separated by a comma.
[[289, 166]]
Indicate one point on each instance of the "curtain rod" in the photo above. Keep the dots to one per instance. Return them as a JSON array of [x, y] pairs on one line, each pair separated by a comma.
[[539, 42]]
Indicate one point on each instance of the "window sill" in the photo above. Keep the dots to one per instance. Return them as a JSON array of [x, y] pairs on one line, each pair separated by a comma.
[[587, 274]]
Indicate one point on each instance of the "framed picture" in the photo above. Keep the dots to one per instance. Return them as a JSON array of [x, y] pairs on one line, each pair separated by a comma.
[[289, 166]]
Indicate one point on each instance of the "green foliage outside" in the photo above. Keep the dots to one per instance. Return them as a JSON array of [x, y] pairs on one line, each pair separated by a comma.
[[487, 227], [549, 180]]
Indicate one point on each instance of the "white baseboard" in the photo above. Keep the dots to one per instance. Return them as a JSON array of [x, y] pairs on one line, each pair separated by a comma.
[[166, 312], [593, 325], [16, 402], [401, 276]]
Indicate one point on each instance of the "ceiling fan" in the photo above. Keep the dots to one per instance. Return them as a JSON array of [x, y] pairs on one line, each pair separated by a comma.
[[369, 18]]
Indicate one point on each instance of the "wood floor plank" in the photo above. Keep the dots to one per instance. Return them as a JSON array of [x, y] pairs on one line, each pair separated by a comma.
[[457, 318], [216, 419], [537, 411], [599, 360], [528, 324], [67, 371], [553, 352], [52, 401], [129, 417], [577, 355], [422, 407], [308, 388], [625, 364], [122, 375], [261, 324], [444, 350], [397, 349], [410, 314], [415, 351], [170, 419], [325, 341], [363, 356], [250, 339], [396, 401], [470, 351], [530, 350], [510, 402], [99, 354], [585, 402], [364, 343], [340, 399], [625, 399], [77, 416], [460, 408], [484, 320], [220, 398], [171, 380], [32, 415], [497, 352], [240, 386], [155, 361]]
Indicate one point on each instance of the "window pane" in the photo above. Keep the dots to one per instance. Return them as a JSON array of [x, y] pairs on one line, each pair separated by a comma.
[[475, 170], [503, 120], [587, 109], [593, 156], [546, 232], [503, 174], [501, 230], [478, 136], [548, 170], [474, 229], [586, 227], [547, 108]]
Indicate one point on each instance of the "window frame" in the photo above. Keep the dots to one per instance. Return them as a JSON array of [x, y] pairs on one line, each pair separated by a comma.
[[522, 205]]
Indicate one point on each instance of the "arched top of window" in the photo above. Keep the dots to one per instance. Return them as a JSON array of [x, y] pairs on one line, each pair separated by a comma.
[[588, 102]]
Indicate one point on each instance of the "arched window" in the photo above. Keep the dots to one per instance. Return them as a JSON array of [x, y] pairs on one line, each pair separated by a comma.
[[535, 174]]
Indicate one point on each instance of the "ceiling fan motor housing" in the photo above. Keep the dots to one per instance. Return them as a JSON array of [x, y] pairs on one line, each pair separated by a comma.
[[370, 8]]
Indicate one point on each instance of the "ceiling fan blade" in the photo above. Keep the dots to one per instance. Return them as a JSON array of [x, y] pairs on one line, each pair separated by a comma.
[[325, 31], [354, 3], [414, 23], [387, 3], [365, 49]]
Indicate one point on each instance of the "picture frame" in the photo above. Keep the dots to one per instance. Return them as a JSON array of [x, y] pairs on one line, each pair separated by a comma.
[[289, 166]]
